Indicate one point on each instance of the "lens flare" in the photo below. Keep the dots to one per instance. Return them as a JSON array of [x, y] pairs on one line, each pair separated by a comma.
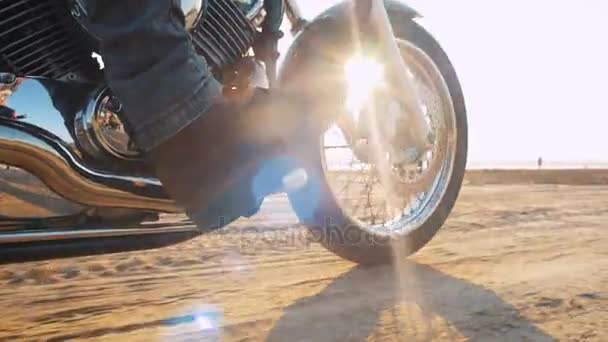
[[295, 180], [204, 323], [363, 76]]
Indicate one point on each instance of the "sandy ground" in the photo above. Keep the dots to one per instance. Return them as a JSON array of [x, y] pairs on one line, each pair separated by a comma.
[[513, 263]]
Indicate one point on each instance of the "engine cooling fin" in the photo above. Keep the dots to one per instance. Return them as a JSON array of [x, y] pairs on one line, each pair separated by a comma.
[[43, 38], [224, 34], [37, 38]]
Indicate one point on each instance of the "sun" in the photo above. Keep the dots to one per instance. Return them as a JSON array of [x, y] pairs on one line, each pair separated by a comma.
[[363, 76]]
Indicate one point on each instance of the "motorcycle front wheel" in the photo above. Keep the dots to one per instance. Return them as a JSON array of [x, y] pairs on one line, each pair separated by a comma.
[[355, 208]]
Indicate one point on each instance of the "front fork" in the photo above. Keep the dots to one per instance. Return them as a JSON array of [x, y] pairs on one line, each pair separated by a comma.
[[376, 18], [403, 79]]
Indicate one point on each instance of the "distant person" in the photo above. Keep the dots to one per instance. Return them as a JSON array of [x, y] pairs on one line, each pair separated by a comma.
[[539, 162]]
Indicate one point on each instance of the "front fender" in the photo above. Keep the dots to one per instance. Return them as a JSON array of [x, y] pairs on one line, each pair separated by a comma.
[[331, 37]]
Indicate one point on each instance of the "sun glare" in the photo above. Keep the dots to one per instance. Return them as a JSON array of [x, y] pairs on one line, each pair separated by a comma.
[[363, 76]]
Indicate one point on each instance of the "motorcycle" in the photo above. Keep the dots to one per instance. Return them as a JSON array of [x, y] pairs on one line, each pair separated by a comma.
[[372, 192]]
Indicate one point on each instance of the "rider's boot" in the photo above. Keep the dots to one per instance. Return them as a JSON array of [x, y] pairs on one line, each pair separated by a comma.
[[210, 167]]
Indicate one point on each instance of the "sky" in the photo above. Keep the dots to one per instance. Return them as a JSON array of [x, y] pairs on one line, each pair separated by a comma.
[[534, 75]]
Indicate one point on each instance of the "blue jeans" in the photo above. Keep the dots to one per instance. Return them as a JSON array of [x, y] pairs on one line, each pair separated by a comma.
[[151, 66]]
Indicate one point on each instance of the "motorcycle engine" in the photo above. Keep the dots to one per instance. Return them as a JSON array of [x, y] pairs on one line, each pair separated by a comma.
[[46, 38], [224, 32]]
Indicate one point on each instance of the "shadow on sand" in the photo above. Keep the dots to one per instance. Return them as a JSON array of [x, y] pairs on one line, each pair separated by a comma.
[[372, 302]]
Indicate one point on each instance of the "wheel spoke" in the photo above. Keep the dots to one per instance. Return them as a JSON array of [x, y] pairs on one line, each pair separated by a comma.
[[378, 190]]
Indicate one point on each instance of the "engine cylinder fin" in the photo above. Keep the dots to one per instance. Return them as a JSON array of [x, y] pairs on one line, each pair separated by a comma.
[[23, 13], [235, 12], [224, 35], [39, 38], [11, 6], [53, 53], [229, 23], [51, 43], [210, 36], [31, 41], [22, 24], [201, 44], [66, 62], [221, 35]]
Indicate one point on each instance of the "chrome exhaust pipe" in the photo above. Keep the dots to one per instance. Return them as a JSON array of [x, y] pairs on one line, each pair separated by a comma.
[[39, 138], [48, 158]]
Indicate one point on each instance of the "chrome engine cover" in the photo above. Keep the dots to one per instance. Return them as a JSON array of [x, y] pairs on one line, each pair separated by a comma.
[[100, 130], [193, 12]]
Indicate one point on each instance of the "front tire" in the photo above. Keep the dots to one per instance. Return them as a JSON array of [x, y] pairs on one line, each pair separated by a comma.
[[316, 204]]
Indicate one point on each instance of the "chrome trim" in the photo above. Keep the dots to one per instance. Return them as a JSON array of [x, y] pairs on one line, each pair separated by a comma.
[[193, 11], [89, 233], [52, 155], [255, 10], [99, 138]]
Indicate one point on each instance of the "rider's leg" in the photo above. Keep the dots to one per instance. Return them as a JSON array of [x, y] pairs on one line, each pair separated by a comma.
[[200, 147], [151, 66]]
